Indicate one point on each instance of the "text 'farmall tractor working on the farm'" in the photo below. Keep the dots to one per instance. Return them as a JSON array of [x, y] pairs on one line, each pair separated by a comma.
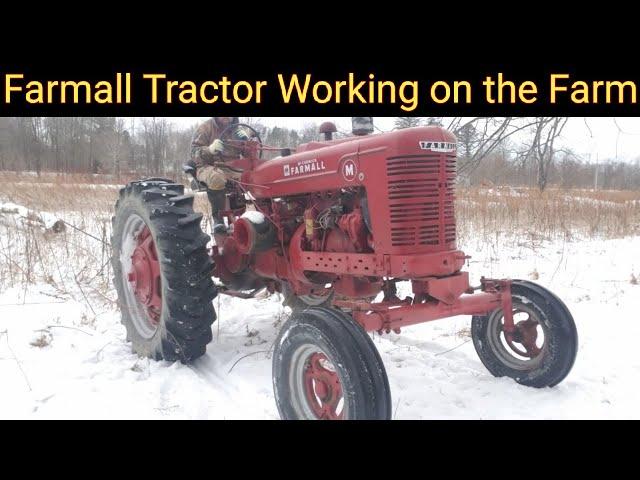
[[334, 227]]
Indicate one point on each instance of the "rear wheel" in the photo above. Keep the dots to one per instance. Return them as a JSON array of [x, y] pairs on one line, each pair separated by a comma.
[[542, 350], [326, 367], [162, 271]]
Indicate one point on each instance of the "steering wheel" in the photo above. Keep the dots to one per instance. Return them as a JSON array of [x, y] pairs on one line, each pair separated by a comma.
[[230, 128]]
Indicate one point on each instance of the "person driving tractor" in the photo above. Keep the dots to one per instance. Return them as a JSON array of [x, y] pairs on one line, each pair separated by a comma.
[[210, 155]]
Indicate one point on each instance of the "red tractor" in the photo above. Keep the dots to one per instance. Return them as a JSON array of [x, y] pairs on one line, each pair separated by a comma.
[[334, 227]]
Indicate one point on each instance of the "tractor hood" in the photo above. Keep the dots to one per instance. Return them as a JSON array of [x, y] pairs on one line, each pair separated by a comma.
[[344, 163]]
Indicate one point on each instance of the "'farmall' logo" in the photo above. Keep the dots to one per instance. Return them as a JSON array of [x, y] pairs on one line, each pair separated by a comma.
[[439, 147], [306, 166]]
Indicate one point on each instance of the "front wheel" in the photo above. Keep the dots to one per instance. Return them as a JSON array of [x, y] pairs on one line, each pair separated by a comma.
[[542, 350], [326, 367]]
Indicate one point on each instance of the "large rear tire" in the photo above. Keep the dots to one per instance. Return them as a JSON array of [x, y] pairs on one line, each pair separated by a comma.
[[162, 271], [325, 366]]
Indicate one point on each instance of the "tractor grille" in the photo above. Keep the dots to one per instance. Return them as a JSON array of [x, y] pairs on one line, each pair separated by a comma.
[[421, 199]]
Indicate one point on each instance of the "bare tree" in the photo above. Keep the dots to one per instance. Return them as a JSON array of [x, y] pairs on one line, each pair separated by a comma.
[[32, 142], [155, 132], [116, 145], [541, 149], [480, 137], [407, 122], [4, 142], [495, 151], [309, 133]]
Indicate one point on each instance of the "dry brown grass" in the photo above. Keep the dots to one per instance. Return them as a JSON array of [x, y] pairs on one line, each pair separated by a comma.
[[43, 340], [555, 213], [58, 194], [76, 264], [66, 178]]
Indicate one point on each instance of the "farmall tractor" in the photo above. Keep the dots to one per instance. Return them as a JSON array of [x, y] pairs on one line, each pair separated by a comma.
[[334, 227]]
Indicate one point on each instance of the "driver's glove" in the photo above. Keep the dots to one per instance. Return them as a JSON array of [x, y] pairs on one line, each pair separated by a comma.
[[241, 135], [217, 147]]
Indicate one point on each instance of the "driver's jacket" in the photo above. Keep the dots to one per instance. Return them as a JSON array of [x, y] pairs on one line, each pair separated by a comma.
[[205, 135]]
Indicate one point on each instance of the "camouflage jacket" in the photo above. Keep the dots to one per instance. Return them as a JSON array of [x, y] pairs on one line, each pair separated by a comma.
[[205, 136]]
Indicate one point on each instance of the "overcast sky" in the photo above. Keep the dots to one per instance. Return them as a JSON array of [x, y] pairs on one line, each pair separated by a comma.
[[608, 141]]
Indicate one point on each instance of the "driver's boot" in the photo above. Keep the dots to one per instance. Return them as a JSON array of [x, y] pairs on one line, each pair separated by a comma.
[[218, 201]]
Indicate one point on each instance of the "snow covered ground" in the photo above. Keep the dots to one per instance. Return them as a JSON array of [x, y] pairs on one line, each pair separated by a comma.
[[65, 356]]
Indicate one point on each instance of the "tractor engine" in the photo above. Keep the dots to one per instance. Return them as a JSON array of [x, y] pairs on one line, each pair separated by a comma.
[[346, 216]]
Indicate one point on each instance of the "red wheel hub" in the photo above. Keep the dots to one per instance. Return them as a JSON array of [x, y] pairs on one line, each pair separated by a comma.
[[323, 388], [144, 276], [526, 334]]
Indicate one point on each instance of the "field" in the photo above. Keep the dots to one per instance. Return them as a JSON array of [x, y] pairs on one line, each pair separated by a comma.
[[63, 352]]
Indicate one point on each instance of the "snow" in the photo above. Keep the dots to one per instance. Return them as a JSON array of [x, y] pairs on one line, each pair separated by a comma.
[[22, 214], [13, 209], [64, 354], [85, 369], [254, 217]]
